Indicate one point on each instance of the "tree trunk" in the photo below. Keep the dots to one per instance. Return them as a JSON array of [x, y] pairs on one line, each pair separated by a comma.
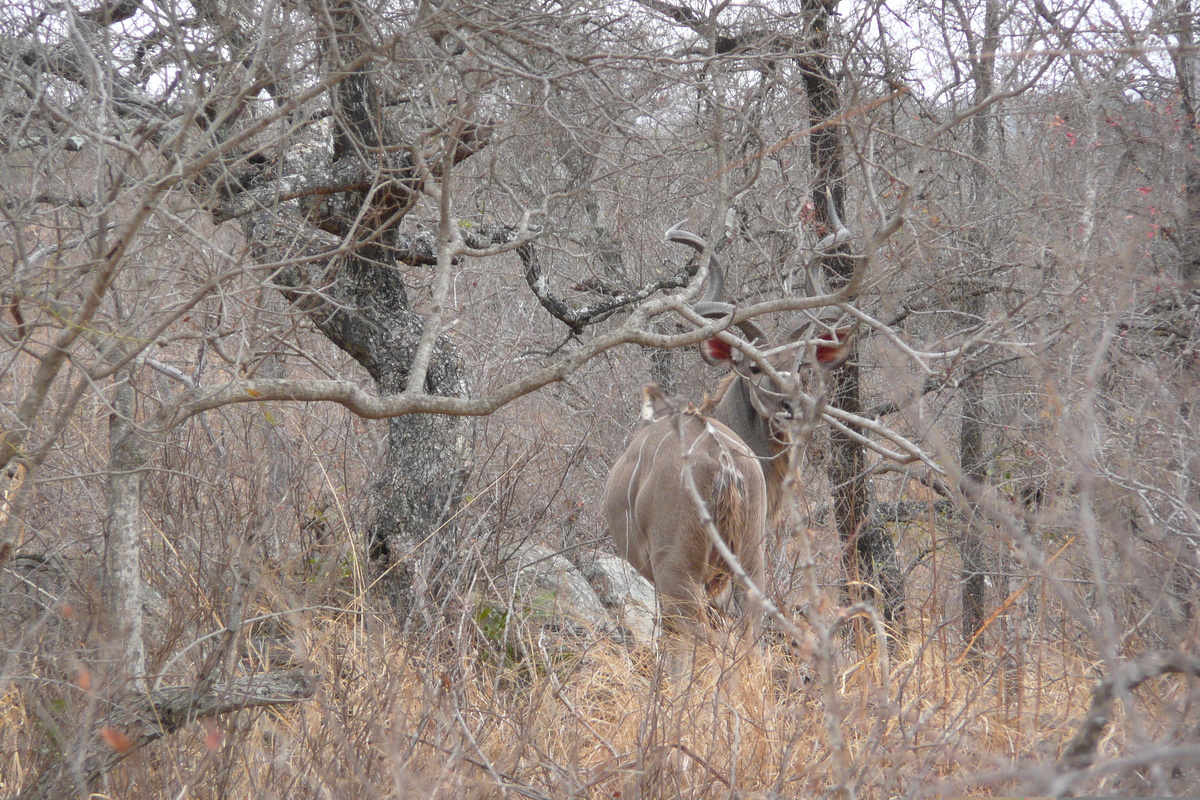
[[122, 531], [419, 484], [366, 311], [972, 540], [275, 462], [411, 540], [868, 550], [1187, 74]]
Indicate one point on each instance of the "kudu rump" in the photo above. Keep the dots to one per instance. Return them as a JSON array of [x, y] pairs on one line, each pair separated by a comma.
[[735, 446]]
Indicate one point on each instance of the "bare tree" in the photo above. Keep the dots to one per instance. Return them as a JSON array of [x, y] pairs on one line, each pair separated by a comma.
[[972, 445], [278, 274], [869, 553]]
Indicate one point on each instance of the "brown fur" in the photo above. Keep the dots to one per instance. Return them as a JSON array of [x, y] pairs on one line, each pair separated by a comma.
[[775, 468], [657, 527], [712, 400], [729, 512], [735, 444]]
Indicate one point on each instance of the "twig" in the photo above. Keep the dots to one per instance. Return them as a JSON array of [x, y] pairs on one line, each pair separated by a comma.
[[155, 716], [1081, 750], [1007, 604]]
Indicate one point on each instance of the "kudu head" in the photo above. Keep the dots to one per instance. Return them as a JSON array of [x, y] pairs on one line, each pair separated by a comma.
[[760, 398]]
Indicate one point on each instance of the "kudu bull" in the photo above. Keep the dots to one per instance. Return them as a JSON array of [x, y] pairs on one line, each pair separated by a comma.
[[735, 446]]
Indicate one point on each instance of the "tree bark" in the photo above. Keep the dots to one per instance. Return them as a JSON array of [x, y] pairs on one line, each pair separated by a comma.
[[868, 550], [972, 540], [122, 531], [419, 484], [359, 301], [1187, 75]]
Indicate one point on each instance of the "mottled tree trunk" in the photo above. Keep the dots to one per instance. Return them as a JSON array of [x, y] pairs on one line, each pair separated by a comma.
[[365, 310], [418, 486], [122, 531], [411, 539]]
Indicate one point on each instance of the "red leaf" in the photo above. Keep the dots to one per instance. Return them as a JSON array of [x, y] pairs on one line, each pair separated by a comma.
[[115, 739], [214, 737]]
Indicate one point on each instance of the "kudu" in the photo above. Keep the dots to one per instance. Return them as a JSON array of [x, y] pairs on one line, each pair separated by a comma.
[[735, 447]]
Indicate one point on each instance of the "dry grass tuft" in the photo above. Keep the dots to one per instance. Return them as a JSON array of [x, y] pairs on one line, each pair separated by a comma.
[[434, 716]]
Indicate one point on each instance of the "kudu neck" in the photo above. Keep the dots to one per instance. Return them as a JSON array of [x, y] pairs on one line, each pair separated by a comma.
[[734, 408], [736, 411]]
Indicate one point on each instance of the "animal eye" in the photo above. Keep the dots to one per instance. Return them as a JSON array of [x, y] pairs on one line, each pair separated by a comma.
[[754, 370]]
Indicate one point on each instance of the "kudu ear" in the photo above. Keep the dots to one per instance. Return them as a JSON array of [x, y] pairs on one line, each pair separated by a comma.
[[834, 347], [716, 352], [719, 353], [655, 404]]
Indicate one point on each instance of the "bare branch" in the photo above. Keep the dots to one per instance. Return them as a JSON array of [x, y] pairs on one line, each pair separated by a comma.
[[1080, 752], [147, 719]]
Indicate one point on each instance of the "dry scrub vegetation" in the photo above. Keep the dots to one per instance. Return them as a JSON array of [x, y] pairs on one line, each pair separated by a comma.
[[321, 321], [459, 715], [485, 699], [453, 718]]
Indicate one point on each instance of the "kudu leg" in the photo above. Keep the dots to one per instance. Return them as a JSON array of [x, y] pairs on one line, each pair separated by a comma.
[[683, 605]]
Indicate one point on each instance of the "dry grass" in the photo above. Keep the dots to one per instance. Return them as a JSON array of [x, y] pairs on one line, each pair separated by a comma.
[[453, 711], [396, 717], [464, 710]]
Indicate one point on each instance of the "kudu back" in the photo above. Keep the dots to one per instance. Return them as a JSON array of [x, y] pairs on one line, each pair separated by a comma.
[[735, 448]]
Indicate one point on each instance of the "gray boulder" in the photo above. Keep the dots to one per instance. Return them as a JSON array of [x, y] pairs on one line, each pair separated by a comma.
[[627, 594]]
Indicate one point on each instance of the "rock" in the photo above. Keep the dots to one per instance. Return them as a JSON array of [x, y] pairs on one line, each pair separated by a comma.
[[630, 596], [549, 584], [539, 610]]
